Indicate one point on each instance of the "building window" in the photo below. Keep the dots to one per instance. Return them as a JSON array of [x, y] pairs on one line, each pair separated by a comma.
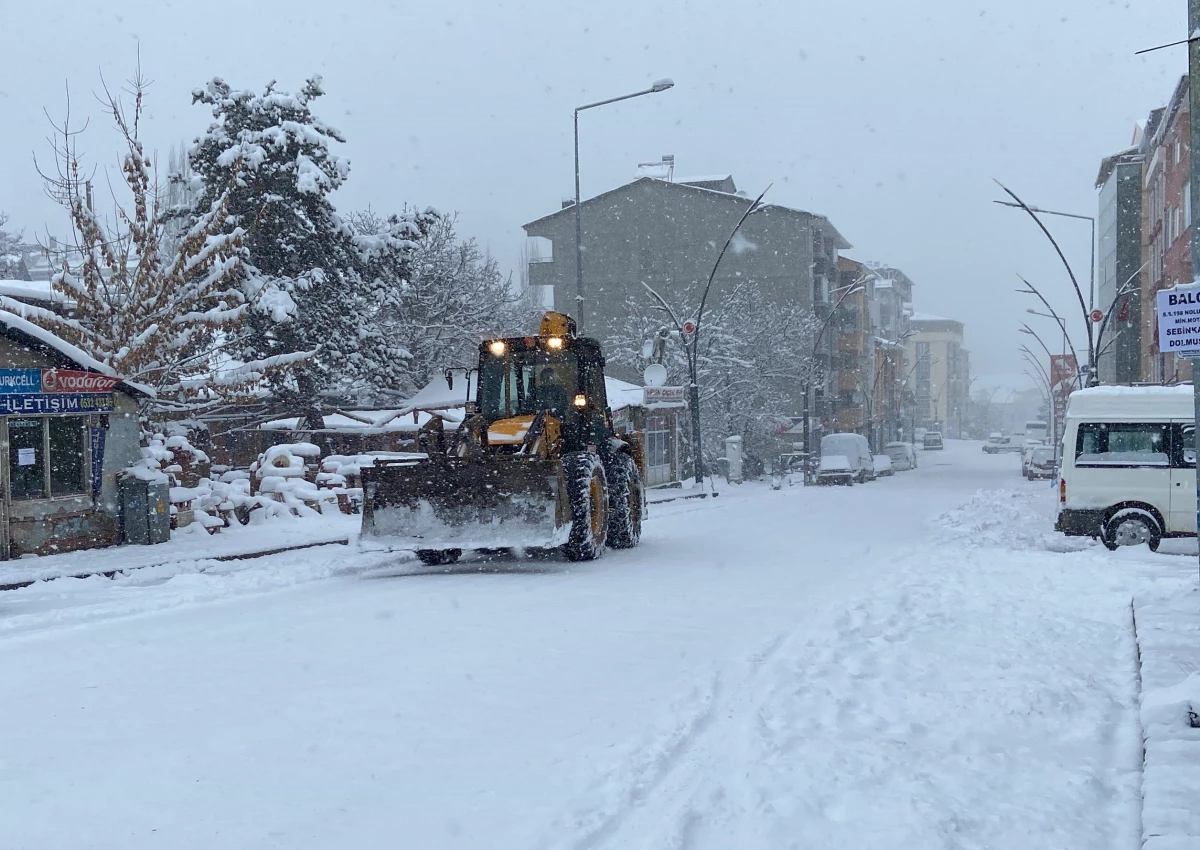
[[47, 457], [1187, 206], [1177, 151]]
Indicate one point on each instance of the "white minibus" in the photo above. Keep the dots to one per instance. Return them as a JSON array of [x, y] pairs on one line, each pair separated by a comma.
[[1129, 465]]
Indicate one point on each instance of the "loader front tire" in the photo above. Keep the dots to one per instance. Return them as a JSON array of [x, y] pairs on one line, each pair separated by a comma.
[[626, 504], [587, 493], [438, 557]]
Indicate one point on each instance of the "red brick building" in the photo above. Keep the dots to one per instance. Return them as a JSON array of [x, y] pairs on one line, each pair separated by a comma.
[[1168, 220]]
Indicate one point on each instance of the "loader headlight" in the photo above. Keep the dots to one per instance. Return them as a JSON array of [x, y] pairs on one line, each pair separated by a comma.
[[581, 400], [498, 348], [554, 343]]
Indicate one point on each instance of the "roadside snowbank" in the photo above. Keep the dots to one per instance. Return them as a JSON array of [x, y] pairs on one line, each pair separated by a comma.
[[1168, 629]]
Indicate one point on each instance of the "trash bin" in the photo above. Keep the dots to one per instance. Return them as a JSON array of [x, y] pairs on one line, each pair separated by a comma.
[[145, 511]]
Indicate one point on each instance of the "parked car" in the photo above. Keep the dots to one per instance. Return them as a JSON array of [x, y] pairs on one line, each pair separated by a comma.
[[919, 437], [998, 444], [855, 448], [932, 441], [1040, 463], [883, 466], [1028, 446], [1129, 465], [903, 455], [836, 469]]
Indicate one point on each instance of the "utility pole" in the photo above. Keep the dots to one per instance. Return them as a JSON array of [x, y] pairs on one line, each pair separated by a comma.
[[1194, 187]]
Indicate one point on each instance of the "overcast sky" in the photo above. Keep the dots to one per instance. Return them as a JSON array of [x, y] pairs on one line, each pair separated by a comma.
[[890, 118]]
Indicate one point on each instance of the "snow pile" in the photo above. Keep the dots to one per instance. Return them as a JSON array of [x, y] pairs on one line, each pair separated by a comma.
[[150, 467], [1012, 519], [1168, 631], [283, 477]]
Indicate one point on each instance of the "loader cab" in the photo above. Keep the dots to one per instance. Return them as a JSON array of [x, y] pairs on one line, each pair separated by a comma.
[[558, 373]]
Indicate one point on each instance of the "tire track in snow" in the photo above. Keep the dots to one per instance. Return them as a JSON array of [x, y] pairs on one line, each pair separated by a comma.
[[605, 806], [670, 764]]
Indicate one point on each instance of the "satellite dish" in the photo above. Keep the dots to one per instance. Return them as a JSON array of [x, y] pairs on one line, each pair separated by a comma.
[[655, 375]]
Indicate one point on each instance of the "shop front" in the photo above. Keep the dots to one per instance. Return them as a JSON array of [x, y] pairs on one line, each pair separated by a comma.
[[66, 430]]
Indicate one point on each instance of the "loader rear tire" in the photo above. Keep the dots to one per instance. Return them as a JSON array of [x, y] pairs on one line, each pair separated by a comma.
[[587, 492], [626, 504], [438, 557]]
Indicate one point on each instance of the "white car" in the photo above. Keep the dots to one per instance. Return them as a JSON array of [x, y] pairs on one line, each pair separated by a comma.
[[1028, 447], [855, 449], [903, 455], [883, 466], [1129, 465], [998, 444], [932, 441], [836, 469]]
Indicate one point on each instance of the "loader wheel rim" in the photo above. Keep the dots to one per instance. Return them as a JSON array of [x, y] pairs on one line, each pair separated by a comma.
[[596, 494]]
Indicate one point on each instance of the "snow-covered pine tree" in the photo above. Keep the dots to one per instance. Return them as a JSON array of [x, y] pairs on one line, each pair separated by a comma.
[[308, 293], [154, 309]]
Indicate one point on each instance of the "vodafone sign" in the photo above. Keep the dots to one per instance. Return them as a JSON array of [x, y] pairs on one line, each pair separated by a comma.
[[71, 381]]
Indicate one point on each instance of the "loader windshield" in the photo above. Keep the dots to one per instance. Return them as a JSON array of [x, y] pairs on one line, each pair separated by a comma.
[[527, 382]]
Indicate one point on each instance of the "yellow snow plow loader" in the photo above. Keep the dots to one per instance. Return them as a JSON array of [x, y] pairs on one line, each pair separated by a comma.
[[535, 463]]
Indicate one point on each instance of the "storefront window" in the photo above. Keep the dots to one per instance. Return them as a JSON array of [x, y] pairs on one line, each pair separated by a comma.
[[66, 438], [47, 457], [26, 459]]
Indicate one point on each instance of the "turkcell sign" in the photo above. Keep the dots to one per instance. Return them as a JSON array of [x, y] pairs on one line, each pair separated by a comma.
[[1179, 320], [54, 391]]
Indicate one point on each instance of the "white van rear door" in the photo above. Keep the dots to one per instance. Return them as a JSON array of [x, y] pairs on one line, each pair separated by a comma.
[[1183, 482]]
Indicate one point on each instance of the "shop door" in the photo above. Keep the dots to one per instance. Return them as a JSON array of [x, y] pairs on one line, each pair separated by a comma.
[[658, 450]]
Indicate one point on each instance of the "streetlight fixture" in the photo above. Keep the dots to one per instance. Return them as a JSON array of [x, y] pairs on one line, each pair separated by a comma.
[[1087, 218], [1084, 307], [655, 87]]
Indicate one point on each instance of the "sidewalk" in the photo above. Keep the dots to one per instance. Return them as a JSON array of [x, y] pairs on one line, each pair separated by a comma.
[[189, 544], [1167, 612]]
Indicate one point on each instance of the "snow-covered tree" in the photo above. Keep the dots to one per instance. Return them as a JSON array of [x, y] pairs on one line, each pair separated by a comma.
[[437, 296], [155, 310], [303, 265], [751, 358], [12, 252]]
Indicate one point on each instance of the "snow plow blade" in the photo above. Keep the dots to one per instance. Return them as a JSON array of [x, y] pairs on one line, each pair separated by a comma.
[[449, 503]]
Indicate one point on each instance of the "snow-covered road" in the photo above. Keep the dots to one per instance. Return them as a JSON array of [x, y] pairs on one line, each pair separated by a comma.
[[897, 665]]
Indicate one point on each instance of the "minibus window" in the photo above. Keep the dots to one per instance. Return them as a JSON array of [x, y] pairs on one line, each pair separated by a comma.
[[1187, 443], [1123, 444]]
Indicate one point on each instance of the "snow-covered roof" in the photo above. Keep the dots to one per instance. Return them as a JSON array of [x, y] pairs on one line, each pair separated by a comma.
[[1121, 402], [31, 290], [437, 394], [359, 422], [826, 224], [622, 394], [27, 332], [928, 317], [709, 178]]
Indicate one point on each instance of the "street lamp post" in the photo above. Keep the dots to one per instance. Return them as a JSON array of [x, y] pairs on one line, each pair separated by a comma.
[[852, 289], [1084, 307], [655, 88], [691, 347]]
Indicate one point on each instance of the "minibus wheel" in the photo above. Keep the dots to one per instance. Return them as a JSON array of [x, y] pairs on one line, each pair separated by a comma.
[[1131, 527]]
